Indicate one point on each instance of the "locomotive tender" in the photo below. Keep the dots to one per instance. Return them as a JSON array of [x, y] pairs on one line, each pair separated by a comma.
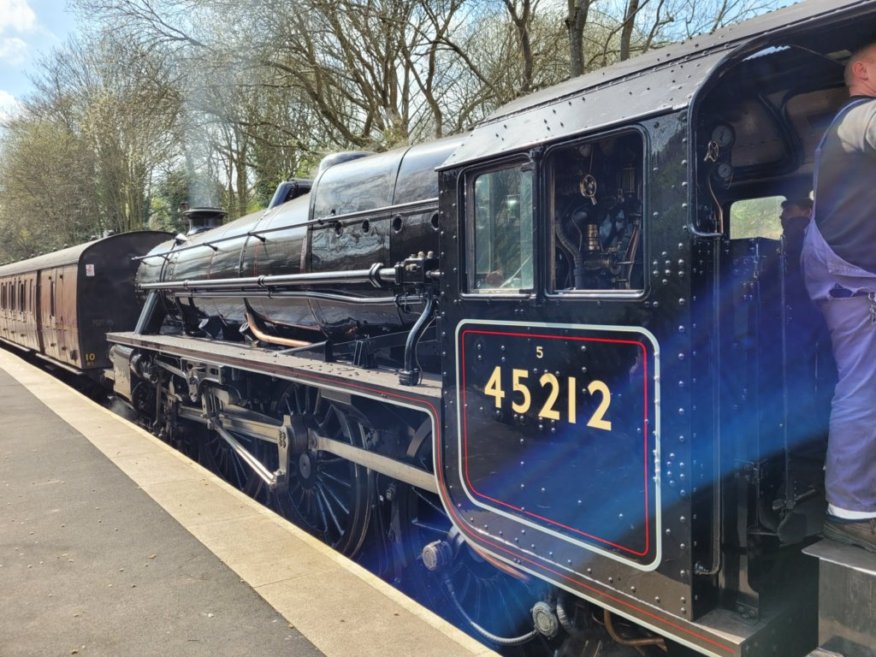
[[550, 380]]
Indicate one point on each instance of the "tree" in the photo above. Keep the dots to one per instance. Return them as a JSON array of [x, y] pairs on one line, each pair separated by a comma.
[[367, 74], [46, 204], [241, 95], [100, 91]]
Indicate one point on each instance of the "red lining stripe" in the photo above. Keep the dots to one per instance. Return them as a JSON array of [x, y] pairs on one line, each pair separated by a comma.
[[484, 496]]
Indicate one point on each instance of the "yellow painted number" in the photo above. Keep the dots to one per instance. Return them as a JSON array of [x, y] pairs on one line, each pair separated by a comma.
[[494, 387], [90, 358], [548, 411], [518, 386], [573, 408], [551, 386], [597, 420]]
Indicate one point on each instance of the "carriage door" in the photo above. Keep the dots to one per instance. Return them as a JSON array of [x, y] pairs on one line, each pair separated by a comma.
[[550, 411]]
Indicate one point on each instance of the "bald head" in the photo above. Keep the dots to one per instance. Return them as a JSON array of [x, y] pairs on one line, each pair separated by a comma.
[[860, 73]]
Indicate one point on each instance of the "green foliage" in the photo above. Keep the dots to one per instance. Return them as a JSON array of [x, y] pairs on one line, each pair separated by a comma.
[[79, 158], [46, 189], [170, 196], [756, 217]]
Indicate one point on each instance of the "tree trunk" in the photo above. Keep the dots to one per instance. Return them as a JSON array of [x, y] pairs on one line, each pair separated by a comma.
[[575, 22], [627, 28], [522, 19]]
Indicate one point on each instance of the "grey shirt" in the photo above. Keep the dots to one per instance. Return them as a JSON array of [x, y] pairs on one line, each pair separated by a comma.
[[845, 196]]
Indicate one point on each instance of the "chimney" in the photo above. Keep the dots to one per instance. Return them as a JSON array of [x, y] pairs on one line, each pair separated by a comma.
[[201, 219]]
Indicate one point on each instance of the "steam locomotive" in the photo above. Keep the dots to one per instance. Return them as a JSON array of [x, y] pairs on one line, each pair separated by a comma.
[[550, 385]]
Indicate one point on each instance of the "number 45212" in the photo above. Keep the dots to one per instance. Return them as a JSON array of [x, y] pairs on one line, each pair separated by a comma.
[[521, 396]]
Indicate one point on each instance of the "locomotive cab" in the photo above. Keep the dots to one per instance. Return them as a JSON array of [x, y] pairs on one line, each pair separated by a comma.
[[757, 123]]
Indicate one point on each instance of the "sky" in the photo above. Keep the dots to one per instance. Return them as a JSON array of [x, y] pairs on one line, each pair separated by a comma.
[[28, 30]]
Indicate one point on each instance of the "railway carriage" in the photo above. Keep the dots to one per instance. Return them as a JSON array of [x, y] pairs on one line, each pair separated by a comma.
[[61, 305], [539, 371]]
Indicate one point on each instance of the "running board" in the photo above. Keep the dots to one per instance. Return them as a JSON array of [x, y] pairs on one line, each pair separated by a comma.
[[846, 600]]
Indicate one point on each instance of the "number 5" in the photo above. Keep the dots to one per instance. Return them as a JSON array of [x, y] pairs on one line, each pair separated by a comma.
[[517, 386]]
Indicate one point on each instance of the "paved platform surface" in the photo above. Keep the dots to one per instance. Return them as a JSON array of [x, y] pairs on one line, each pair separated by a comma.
[[113, 544]]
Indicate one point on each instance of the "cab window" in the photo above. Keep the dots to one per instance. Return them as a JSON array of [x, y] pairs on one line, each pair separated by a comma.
[[756, 217], [500, 260], [596, 192]]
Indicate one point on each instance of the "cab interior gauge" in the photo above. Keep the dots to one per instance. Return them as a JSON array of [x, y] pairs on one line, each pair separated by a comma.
[[724, 172], [723, 135]]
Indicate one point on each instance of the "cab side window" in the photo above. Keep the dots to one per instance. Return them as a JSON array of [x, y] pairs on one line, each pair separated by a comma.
[[596, 195], [500, 260]]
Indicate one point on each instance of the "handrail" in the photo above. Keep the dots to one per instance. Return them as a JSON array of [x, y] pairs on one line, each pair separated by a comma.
[[377, 275]]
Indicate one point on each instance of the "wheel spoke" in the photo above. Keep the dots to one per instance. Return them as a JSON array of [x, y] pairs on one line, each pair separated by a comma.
[[432, 502], [327, 496], [317, 504], [467, 583], [340, 482], [432, 529], [331, 512], [327, 491], [296, 491]]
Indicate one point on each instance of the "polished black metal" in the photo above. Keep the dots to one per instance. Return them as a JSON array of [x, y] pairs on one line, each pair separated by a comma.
[[288, 190], [410, 374]]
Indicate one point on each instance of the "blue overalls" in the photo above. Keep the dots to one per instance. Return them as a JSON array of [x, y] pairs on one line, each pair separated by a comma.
[[846, 296]]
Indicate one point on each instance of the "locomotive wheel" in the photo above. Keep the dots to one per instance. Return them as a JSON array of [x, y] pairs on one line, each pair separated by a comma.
[[327, 496], [217, 456], [494, 600]]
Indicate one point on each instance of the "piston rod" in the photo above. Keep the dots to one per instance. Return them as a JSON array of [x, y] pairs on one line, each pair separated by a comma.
[[257, 467], [263, 431], [379, 463]]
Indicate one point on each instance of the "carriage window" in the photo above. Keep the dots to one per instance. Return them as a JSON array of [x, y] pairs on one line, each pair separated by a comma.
[[501, 257], [596, 205]]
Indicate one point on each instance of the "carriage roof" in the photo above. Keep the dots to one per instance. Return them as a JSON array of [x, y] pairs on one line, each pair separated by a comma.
[[72, 255]]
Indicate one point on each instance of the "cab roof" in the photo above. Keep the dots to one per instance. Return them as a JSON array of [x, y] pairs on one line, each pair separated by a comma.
[[654, 83]]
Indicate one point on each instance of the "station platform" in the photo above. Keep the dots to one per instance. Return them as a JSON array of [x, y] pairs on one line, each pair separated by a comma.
[[113, 544]]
